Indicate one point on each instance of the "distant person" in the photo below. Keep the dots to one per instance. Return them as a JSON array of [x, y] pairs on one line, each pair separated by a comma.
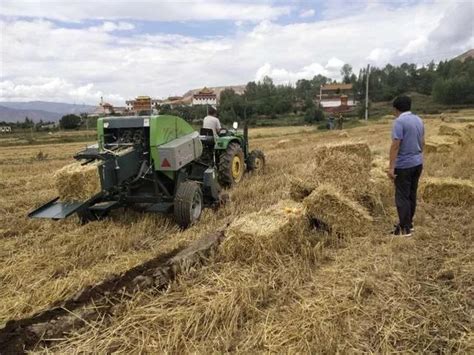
[[331, 123], [211, 121], [340, 121], [406, 162]]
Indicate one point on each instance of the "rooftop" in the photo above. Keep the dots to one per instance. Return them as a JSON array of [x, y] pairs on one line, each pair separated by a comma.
[[337, 86]]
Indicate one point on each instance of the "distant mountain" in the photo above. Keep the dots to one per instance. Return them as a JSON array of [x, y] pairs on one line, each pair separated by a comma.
[[8, 114], [58, 107], [464, 56], [39, 110]]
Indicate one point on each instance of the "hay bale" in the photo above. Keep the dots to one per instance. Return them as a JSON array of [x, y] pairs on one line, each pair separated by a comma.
[[76, 182], [349, 172], [343, 216], [462, 135], [300, 188], [447, 130], [448, 191], [361, 149], [440, 144], [265, 234], [381, 186]]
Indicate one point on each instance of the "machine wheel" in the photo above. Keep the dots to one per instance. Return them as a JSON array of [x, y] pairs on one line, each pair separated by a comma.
[[188, 203], [256, 161], [231, 165]]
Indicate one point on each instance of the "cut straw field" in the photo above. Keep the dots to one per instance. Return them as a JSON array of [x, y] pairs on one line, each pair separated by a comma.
[[306, 264]]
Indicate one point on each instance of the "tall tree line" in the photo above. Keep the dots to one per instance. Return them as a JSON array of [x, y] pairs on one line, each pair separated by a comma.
[[450, 82]]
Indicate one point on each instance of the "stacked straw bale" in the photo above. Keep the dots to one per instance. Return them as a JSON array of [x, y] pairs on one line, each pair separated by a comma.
[[262, 235], [344, 217], [448, 191], [440, 144], [76, 182], [381, 185], [346, 166], [361, 149], [463, 136]]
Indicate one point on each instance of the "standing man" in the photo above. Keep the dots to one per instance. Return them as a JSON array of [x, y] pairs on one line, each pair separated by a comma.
[[211, 121], [406, 162], [340, 121]]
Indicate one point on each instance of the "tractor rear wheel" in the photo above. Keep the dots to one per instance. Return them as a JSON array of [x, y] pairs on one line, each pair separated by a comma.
[[256, 161], [231, 165], [188, 203]]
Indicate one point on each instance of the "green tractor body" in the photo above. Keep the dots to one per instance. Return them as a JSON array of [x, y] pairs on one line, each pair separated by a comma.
[[232, 156], [151, 162]]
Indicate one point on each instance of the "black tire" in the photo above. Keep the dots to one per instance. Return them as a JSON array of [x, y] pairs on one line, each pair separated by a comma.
[[227, 161], [256, 161], [188, 203]]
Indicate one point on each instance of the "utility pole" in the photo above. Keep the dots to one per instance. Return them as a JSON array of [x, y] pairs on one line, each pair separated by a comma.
[[367, 93]]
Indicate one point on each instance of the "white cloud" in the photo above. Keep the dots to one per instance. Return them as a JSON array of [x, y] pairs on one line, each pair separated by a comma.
[[148, 10], [416, 45], [334, 63], [116, 26], [41, 59], [284, 76], [307, 13], [53, 88], [379, 56]]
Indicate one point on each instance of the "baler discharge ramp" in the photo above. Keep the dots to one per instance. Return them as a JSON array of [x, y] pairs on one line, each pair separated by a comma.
[[56, 209]]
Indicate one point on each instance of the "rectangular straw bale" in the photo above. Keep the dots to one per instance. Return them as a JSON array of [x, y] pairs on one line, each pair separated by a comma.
[[448, 191], [300, 187], [361, 149], [380, 182], [440, 144], [260, 235], [447, 131], [463, 136], [349, 172], [342, 215], [76, 182]]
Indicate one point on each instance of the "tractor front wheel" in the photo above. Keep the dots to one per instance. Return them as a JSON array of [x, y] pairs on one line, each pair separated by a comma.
[[231, 165], [256, 161], [188, 203]]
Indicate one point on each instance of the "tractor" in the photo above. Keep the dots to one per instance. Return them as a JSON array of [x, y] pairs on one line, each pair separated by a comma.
[[158, 164], [229, 151]]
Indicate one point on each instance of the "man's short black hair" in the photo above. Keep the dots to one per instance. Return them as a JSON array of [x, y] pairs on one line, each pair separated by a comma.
[[211, 111], [402, 103]]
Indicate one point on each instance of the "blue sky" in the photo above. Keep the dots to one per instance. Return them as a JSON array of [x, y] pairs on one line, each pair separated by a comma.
[[82, 50]]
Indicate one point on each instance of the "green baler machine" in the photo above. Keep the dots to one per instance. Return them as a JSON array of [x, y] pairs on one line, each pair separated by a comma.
[[153, 162]]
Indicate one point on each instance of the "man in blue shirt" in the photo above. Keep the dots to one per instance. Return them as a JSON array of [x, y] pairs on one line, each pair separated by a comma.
[[406, 162]]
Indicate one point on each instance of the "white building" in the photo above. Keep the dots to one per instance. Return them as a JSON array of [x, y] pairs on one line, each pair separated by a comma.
[[204, 97]]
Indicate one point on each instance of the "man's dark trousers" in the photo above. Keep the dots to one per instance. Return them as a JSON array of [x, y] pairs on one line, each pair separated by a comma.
[[406, 184]]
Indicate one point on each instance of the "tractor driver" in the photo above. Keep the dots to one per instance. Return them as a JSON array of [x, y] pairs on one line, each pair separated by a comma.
[[211, 121]]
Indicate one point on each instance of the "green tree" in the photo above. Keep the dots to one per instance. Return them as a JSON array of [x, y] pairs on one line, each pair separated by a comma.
[[70, 121], [313, 115], [346, 73]]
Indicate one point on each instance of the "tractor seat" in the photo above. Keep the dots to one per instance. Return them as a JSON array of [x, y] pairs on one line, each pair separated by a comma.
[[207, 136]]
